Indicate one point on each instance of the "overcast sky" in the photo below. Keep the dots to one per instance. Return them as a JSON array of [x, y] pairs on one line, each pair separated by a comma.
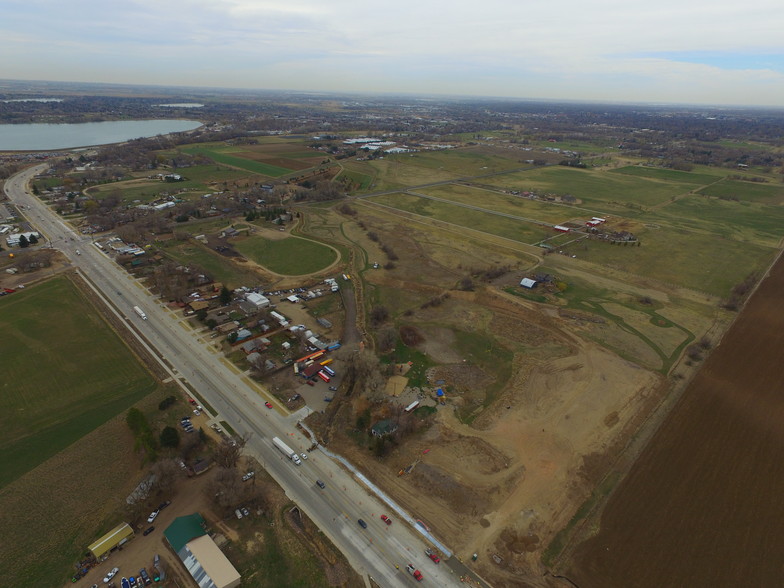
[[683, 51]]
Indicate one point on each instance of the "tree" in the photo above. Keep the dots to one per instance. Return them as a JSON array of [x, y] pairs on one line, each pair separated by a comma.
[[166, 472], [228, 452], [33, 240], [170, 437], [23, 242], [225, 296]]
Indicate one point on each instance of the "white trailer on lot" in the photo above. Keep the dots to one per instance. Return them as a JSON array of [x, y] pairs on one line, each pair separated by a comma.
[[286, 450]]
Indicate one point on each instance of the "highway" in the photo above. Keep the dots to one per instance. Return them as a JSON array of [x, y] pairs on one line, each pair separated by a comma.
[[375, 551]]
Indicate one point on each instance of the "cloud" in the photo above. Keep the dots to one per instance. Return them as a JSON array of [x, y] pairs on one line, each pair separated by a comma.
[[678, 50]]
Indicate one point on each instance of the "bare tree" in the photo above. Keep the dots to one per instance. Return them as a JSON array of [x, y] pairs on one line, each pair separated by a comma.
[[167, 472], [228, 452]]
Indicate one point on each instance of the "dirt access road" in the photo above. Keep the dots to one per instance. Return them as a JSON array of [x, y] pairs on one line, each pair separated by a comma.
[[703, 504]]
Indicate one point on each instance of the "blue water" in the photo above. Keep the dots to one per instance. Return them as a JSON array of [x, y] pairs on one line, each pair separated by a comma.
[[46, 137]]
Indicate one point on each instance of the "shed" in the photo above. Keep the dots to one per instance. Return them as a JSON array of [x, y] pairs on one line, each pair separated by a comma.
[[117, 536], [382, 428], [527, 283]]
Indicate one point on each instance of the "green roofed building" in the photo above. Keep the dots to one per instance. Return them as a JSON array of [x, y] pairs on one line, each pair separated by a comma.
[[184, 529], [114, 538]]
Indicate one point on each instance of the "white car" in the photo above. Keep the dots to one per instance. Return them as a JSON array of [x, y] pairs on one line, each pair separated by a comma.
[[152, 516], [110, 575], [248, 476], [304, 456]]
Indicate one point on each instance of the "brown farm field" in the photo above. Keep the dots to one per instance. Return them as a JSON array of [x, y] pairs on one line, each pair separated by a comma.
[[702, 505]]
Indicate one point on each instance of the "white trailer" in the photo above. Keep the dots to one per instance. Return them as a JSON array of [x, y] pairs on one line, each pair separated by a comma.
[[140, 312], [286, 450]]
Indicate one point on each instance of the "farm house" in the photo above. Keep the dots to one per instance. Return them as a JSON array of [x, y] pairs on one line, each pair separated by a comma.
[[114, 538]]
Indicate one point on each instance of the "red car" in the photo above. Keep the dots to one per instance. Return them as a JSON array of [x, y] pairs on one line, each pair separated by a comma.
[[386, 519], [268, 404], [432, 555]]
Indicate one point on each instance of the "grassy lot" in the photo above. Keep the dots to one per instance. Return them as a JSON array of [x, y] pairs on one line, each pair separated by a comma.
[[220, 155], [598, 190], [508, 204], [742, 221], [704, 262], [292, 256], [362, 180], [218, 267], [746, 191], [89, 375], [671, 175], [466, 217]]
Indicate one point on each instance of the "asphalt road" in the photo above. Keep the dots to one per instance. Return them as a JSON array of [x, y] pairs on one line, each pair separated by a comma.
[[374, 551]]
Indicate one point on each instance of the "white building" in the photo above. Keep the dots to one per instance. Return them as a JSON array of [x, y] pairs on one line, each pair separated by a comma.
[[13, 240], [257, 299]]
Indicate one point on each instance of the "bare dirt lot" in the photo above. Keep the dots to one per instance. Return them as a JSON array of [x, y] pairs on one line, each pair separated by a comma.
[[702, 505]]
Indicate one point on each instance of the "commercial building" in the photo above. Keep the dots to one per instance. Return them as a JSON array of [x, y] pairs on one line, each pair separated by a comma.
[[204, 560], [114, 538]]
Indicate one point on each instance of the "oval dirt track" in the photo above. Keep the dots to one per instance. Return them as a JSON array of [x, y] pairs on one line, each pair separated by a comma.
[[703, 506]]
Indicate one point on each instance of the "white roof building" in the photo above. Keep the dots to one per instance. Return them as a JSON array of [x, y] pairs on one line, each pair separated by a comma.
[[257, 299]]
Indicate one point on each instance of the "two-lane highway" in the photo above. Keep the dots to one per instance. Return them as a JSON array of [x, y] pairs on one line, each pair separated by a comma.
[[375, 551]]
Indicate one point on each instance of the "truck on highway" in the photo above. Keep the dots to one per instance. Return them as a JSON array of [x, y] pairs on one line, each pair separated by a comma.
[[286, 450], [140, 312]]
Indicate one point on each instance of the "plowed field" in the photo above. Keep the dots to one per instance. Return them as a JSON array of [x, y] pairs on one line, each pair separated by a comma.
[[704, 503]]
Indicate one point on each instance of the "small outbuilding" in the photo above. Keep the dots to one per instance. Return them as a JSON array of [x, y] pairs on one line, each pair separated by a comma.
[[528, 283]]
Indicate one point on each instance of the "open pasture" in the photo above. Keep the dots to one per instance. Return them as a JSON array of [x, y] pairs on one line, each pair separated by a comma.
[[670, 175], [705, 262], [746, 191], [541, 211], [598, 190], [740, 221], [227, 156], [88, 378], [479, 221], [291, 257]]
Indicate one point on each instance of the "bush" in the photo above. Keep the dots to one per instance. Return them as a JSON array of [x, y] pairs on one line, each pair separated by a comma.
[[166, 402], [411, 336], [170, 437]]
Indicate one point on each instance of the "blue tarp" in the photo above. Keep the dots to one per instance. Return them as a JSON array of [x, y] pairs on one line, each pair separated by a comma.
[[439, 392]]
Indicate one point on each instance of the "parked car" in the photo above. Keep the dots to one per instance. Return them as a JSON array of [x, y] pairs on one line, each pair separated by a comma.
[[320, 484], [132, 580], [333, 388], [148, 531], [310, 383], [245, 512], [111, 574], [248, 476], [164, 504], [327, 399], [362, 523], [145, 576], [238, 513], [386, 519], [152, 516]]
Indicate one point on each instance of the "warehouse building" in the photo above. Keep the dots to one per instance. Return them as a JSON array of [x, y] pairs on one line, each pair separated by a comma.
[[114, 538], [204, 560]]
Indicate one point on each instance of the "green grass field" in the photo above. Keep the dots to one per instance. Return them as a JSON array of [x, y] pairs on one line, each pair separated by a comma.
[[66, 373], [291, 257], [217, 266], [670, 175], [221, 156], [516, 230], [599, 190], [746, 191]]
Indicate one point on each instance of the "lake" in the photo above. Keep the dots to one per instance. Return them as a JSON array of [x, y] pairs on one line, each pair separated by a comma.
[[48, 137]]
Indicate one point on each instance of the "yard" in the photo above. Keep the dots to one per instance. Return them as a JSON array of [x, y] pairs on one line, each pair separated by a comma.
[[292, 256]]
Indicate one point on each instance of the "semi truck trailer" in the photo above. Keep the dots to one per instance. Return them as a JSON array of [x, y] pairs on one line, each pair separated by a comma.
[[140, 312], [286, 450]]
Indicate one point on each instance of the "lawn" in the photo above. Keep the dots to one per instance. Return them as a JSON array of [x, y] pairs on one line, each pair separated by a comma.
[[291, 256], [88, 375], [219, 155]]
